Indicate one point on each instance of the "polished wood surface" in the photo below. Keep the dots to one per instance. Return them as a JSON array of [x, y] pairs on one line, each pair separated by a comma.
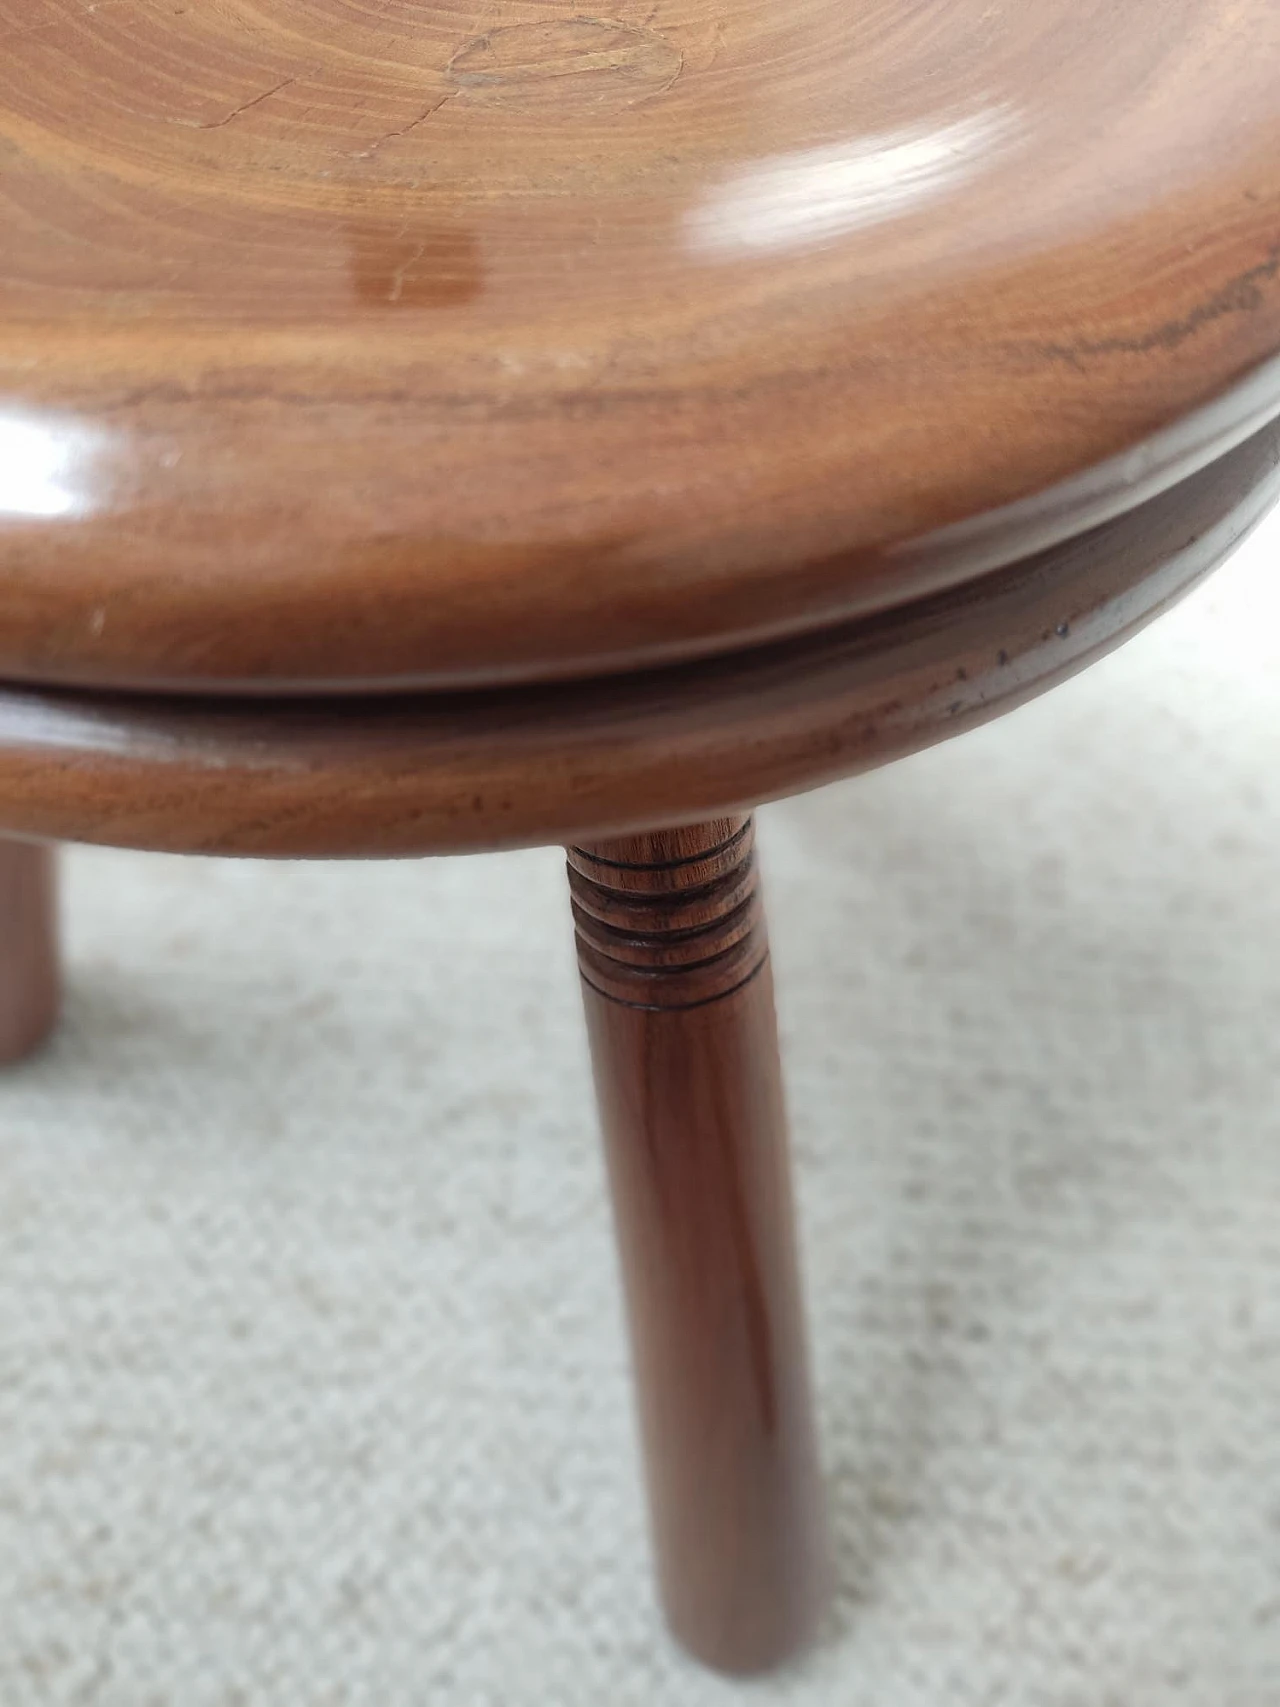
[[345, 344], [29, 974], [462, 772], [679, 1004]]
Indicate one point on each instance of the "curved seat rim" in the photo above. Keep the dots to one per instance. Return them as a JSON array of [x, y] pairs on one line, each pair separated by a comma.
[[419, 774], [842, 590]]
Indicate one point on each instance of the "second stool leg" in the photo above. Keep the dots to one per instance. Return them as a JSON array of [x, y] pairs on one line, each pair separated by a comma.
[[679, 1005], [29, 979]]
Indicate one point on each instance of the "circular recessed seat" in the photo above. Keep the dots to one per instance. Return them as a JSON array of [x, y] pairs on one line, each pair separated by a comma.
[[347, 347]]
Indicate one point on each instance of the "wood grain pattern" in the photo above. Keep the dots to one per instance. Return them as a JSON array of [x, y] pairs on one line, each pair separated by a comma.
[[428, 344], [452, 773], [29, 973], [679, 1004]]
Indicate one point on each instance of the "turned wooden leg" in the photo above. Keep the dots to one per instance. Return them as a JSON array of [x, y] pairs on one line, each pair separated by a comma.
[[29, 984], [679, 1001]]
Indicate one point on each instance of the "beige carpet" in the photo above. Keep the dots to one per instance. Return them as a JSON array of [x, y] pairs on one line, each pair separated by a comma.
[[312, 1379]]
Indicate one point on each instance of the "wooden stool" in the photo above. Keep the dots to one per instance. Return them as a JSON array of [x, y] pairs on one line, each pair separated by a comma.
[[426, 428]]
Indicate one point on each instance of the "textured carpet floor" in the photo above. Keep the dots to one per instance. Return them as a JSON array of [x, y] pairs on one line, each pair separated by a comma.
[[312, 1377]]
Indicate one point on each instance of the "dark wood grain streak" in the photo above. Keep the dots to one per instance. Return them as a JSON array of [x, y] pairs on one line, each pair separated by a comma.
[[452, 773], [679, 1005], [29, 973]]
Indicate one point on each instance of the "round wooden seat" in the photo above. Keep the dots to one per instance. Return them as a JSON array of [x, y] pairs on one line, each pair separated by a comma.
[[432, 427], [348, 347]]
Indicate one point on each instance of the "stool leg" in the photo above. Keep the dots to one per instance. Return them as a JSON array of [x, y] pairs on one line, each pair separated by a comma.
[[29, 981], [679, 1006]]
